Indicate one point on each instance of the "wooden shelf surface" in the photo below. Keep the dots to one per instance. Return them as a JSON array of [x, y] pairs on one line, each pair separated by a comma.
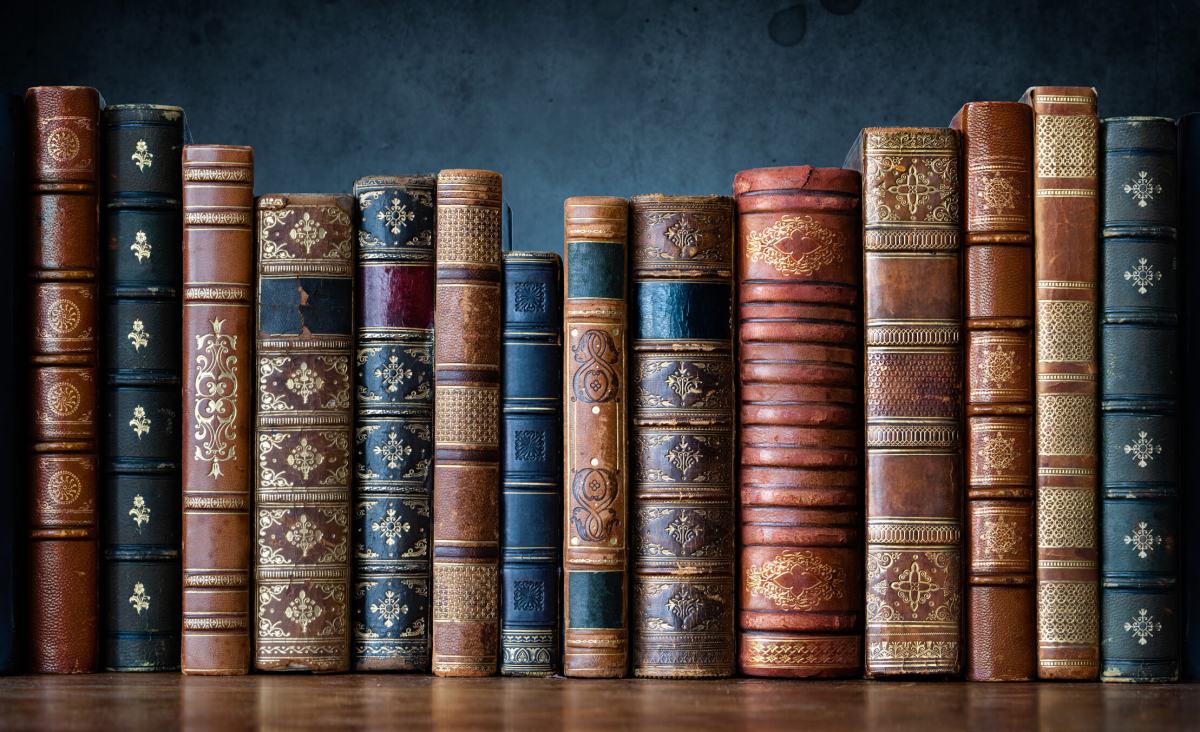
[[402, 703]]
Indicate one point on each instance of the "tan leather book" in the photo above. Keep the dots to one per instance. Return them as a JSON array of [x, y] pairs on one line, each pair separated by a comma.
[[1066, 251], [595, 583], [911, 233], [466, 425], [997, 140], [682, 454], [302, 432], [218, 279], [64, 249]]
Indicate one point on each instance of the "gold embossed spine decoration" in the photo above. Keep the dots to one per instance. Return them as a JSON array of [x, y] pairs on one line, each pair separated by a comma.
[[466, 483]]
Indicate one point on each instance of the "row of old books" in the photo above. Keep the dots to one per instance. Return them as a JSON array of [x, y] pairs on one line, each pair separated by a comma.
[[335, 432]]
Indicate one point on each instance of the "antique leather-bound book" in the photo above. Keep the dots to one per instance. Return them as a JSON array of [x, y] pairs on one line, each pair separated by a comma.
[[140, 355], [911, 234], [997, 161], [1139, 433], [393, 429], [1189, 342], [1066, 233], [595, 626], [800, 353], [466, 432], [218, 280], [12, 324], [63, 149], [302, 431], [531, 464], [681, 454]]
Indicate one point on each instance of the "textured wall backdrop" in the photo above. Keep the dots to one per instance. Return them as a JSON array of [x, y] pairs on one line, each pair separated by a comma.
[[570, 97]]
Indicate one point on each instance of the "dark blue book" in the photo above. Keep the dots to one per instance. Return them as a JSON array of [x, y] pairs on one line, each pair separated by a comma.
[[140, 493], [531, 464], [1139, 525], [12, 177]]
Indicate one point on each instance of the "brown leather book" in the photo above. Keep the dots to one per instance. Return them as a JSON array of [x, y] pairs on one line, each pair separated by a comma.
[[595, 625], [466, 425], [911, 234], [218, 276], [997, 149], [302, 431], [64, 251], [1066, 247], [800, 352], [682, 454]]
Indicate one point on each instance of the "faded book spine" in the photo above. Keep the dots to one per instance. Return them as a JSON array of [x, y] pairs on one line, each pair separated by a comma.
[[393, 429], [595, 477]]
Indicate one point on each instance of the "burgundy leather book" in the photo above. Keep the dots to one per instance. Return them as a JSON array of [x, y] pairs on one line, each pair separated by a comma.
[[800, 352]]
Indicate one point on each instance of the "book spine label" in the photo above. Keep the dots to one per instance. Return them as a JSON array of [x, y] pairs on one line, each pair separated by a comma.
[[218, 273], [682, 452], [63, 240], [393, 430], [912, 230], [800, 351], [303, 432], [466, 479], [141, 358], [1066, 234], [531, 464], [997, 140], [595, 479], [1139, 433]]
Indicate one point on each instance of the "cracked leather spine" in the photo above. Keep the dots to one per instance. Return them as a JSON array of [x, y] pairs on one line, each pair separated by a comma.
[[218, 279], [1139, 401], [800, 370], [1066, 238], [143, 144], [997, 149], [595, 535], [911, 235], [63, 138], [393, 440]]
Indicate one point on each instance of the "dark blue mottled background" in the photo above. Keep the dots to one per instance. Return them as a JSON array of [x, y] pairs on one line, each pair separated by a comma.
[[575, 97]]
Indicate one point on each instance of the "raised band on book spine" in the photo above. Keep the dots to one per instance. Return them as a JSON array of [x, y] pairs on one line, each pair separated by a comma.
[[682, 452], [218, 332], [393, 430], [466, 480], [140, 499], [1139, 432], [911, 231], [64, 246], [595, 479], [531, 464], [998, 168], [800, 353], [1066, 236]]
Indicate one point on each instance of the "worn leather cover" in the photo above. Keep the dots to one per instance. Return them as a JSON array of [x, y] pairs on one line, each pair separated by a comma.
[[140, 355], [911, 233], [393, 429], [531, 464], [218, 277], [595, 479], [1189, 271], [997, 150], [63, 136], [1066, 234], [682, 452], [1139, 433], [466, 479], [12, 320], [800, 350], [302, 432]]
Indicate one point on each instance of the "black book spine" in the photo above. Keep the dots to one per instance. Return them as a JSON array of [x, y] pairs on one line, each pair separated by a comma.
[[12, 133], [531, 464], [1189, 301], [140, 503]]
